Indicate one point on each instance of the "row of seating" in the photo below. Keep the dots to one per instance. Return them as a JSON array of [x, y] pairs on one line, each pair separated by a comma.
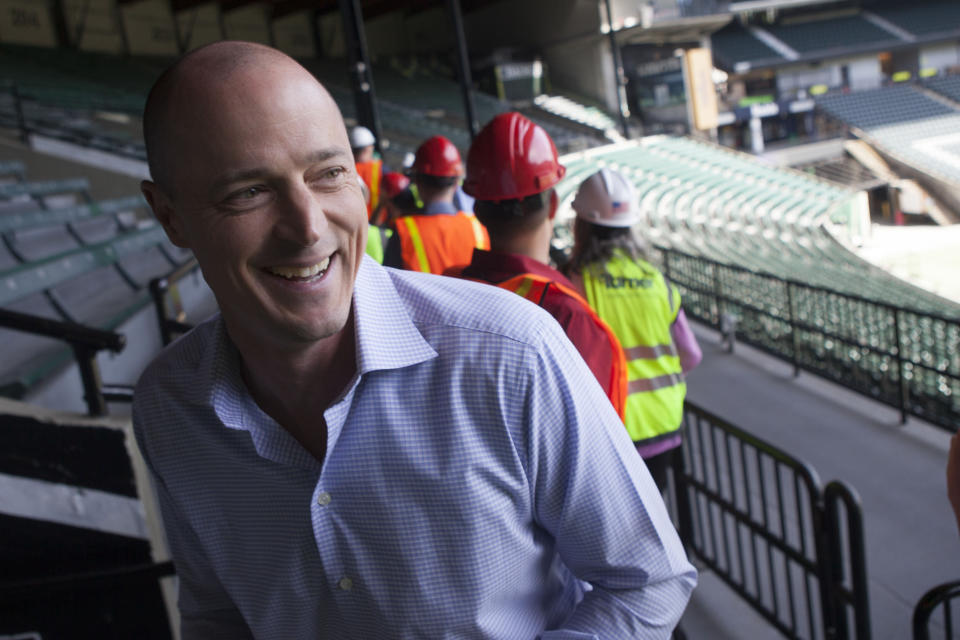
[[69, 259], [736, 45], [905, 122]]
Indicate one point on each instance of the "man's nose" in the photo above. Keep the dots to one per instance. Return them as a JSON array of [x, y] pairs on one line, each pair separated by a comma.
[[302, 219]]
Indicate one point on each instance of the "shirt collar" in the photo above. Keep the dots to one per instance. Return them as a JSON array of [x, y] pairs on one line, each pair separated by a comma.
[[386, 337], [497, 266], [438, 207]]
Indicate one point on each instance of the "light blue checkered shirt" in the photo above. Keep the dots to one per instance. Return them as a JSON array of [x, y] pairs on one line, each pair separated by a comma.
[[473, 468]]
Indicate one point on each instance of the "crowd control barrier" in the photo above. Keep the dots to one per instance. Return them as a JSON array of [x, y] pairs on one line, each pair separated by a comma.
[[933, 614], [759, 519]]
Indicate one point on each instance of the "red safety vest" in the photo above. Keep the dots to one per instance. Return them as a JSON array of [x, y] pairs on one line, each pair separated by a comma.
[[436, 243], [533, 287], [370, 173]]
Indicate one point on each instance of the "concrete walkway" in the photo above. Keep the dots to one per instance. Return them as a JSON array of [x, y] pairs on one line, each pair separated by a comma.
[[912, 542]]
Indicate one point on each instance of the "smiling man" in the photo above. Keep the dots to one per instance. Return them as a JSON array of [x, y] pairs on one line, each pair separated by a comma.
[[348, 451]]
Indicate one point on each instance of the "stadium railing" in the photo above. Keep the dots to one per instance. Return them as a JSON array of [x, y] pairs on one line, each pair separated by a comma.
[[759, 519], [86, 322], [167, 303], [901, 357], [945, 598]]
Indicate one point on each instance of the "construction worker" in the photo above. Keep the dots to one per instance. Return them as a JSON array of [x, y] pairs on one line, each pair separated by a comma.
[[441, 237], [641, 307], [511, 170], [369, 167], [395, 199]]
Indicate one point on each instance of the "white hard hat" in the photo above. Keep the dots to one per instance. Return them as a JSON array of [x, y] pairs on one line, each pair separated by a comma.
[[361, 137], [607, 199]]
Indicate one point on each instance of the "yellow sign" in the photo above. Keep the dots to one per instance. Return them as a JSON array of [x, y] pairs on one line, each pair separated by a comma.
[[701, 92]]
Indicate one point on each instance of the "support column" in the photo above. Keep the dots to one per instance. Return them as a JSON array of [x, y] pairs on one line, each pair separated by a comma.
[[756, 135], [464, 61], [363, 92], [618, 74]]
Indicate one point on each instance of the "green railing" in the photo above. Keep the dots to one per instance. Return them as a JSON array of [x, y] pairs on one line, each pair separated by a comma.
[[901, 357]]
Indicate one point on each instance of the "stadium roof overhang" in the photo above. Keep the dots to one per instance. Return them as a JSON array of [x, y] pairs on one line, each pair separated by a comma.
[[678, 30], [370, 8]]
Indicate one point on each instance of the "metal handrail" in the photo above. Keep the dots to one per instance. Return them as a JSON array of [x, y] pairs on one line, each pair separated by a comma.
[[941, 595], [85, 341]]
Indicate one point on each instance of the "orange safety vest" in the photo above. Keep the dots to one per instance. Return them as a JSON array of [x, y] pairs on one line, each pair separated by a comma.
[[370, 173], [533, 287], [436, 243]]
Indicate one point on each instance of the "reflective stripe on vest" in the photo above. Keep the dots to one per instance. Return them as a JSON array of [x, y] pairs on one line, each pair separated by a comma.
[[534, 288], [633, 298], [370, 173], [438, 243]]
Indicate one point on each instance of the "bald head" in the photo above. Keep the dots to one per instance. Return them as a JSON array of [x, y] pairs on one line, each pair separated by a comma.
[[197, 84]]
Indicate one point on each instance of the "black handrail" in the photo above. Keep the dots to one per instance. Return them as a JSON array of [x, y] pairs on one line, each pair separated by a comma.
[[159, 287], [85, 341], [941, 595]]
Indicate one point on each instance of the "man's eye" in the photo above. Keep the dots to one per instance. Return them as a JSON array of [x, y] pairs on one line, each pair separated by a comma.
[[335, 172], [249, 192]]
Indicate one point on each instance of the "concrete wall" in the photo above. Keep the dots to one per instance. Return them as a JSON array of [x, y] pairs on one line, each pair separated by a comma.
[[200, 25], [27, 22], [386, 35], [940, 56], [430, 31], [863, 73], [585, 67], [93, 25], [250, 22], [332, 43], [543, 23], [150, 28], [293, 34]]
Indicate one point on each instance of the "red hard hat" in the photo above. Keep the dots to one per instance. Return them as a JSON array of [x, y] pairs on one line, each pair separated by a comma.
[[511, 158], [438, 157], [392, 183]]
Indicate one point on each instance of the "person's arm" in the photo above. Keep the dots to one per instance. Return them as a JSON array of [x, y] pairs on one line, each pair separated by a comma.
[[686, 342], [206, 610], [592, 492]]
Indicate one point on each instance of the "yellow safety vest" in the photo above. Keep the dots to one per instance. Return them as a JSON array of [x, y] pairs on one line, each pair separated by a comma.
[[635, 300], [377, 242]]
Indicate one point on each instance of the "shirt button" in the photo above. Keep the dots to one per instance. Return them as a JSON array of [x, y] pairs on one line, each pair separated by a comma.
[[323, 499], [345, 584]]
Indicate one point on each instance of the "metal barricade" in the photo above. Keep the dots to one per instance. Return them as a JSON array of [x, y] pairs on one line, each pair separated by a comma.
[[946, 598], [758, 518]]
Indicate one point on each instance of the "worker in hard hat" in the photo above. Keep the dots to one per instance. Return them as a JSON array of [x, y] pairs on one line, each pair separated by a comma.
[[441, 237], [369, 166], [396, 199], [512, 168], [642, 308]]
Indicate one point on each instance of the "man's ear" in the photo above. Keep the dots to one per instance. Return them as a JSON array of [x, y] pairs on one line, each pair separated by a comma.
[[554, 203], [163, 210]]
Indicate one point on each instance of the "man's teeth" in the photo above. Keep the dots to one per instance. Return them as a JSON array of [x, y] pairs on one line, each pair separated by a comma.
[[300, 272]]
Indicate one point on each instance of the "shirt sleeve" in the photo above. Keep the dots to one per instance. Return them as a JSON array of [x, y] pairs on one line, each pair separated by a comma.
[[206, 610], [686, 342], [593, 493]]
